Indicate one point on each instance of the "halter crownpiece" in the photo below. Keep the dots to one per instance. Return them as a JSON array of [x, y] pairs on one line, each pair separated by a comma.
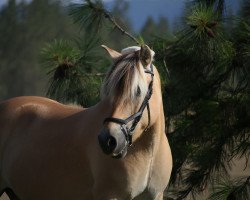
[[135, 118]]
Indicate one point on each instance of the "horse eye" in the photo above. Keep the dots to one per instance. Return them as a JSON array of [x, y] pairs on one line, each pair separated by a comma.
[[138, 92]]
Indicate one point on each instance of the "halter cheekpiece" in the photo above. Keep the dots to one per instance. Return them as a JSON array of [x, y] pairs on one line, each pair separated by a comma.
[[128, 132]]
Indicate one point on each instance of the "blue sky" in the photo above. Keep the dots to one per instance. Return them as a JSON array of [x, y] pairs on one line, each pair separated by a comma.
[[139, 10]]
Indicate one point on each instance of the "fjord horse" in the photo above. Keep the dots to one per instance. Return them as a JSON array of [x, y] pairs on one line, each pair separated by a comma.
[[115, 150]]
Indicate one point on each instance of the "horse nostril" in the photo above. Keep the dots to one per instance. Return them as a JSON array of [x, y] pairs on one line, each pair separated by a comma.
[[107, 142], [111, 143]]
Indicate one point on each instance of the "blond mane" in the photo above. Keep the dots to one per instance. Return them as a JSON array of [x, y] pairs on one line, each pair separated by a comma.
[[124, 78]]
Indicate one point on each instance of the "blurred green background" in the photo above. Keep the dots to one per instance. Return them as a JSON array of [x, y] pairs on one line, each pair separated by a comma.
[[203, 55]]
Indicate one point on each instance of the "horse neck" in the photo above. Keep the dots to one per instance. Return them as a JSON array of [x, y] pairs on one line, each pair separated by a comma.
[[104, 108], [150, 140], [159, 121], [153, 136]]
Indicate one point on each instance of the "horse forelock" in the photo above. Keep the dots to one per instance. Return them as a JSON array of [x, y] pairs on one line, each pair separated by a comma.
[[123, 79]]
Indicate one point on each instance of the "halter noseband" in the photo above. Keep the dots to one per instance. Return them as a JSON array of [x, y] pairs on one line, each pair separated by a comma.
[[128, 132]]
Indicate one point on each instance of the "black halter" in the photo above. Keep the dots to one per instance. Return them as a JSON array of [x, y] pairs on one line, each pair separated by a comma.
[[128, 132]]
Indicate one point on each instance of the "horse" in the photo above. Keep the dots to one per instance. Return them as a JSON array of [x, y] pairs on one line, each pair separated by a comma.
[[114, 150]]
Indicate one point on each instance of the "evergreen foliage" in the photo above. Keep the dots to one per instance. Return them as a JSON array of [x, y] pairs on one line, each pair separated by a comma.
[[207, 96], [151, 29], [71, 69], [238, 189], [24, 28], [205, 72], [75, 73], [91, 15]]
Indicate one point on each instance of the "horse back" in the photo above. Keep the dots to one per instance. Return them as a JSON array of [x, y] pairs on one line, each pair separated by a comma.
[[26, 112], [39, 106]]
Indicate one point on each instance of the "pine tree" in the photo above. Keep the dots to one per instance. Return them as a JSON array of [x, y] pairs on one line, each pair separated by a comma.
[[163, 27], [205, 72], [206, 103], [149, 29], [75, 73], [24, 28]]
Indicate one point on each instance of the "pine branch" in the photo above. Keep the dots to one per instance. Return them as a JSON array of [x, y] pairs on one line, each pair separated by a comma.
[[59, 57], [116, 25], [238, 189], [74, 77], [90, 16]]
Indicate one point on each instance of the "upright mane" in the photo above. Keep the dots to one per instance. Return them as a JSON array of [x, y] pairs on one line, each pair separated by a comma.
[[124, 78]]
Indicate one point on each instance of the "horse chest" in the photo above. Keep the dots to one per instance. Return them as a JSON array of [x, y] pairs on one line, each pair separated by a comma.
[[154, 175], [140, 180]]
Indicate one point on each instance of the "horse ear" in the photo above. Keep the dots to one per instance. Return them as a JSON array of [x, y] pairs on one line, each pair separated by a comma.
[[114, 54], [146, 56]]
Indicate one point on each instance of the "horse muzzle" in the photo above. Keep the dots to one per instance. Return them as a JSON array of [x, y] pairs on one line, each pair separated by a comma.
[[116, 144]]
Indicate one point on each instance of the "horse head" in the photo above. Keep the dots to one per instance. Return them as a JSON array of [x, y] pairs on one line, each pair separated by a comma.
[[129, 87]]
